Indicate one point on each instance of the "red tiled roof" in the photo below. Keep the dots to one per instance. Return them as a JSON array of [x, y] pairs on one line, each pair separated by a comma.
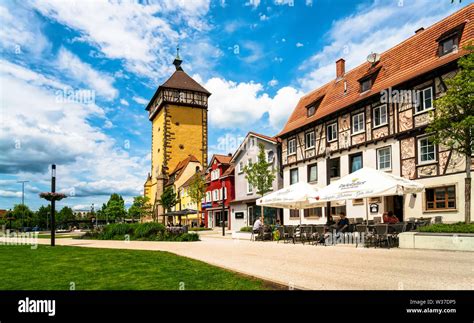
[[182, 81], [223, 159], [414, 56], [229, 171], [182, 165], [263, 136]]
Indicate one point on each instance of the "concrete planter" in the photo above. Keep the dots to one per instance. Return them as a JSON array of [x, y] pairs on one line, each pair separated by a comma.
[[241, 235], [437, 241]]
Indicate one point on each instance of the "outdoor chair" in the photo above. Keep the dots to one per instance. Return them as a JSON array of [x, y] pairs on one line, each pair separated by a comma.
[[306, 234], [409, 226], [377, 219], [359, 220], [289, 233], [318, 235], [362, 231], [382, 236], [396, 229]]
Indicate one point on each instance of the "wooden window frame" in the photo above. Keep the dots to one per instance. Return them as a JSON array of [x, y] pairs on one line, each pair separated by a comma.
[[446, 199]]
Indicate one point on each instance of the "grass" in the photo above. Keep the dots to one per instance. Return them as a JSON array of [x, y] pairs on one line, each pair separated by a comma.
[[459, 227], [54, 268], [48, 236]]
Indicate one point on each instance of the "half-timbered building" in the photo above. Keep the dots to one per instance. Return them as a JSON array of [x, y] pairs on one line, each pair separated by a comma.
[[376, 115]]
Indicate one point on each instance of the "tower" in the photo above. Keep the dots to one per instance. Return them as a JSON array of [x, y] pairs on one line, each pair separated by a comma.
[[178, 114]]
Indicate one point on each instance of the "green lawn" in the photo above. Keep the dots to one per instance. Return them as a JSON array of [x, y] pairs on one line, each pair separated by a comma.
[[54, 268]]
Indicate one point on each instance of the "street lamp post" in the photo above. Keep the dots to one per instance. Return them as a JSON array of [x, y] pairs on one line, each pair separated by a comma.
[[53, 204], [23, 200], [223, 208], [328, 180]]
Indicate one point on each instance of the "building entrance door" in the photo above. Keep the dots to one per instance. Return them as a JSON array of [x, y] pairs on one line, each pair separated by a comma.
[[219, 217]]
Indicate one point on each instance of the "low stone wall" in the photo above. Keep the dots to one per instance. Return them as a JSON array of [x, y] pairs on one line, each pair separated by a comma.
[[437, 241], [241, 235]]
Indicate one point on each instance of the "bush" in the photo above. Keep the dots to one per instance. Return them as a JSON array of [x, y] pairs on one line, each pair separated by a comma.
[[246, 229], [459, 227], [148, 230], [139, 231]]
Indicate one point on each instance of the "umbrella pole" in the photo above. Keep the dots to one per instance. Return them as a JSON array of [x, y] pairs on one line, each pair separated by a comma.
[[366, 214]]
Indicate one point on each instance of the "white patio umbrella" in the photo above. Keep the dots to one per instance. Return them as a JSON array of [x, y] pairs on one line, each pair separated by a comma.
[[297, 196], [367, 182]]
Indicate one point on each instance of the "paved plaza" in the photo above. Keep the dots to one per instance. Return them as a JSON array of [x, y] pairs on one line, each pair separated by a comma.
[[318, 267]]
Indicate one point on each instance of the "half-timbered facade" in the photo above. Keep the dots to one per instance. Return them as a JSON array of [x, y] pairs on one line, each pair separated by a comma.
[[376, 115]]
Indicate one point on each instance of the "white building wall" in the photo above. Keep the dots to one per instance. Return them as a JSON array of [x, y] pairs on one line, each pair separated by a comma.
[[237, 224]]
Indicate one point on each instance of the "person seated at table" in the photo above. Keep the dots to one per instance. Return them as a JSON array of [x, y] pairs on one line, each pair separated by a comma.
[[257, 225], [343, 222], [393, 218], [202, 224], [330, 221]]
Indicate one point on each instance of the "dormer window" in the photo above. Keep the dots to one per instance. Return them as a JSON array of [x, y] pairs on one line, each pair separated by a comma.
[[311, 111], [365, 84], [449, 41]]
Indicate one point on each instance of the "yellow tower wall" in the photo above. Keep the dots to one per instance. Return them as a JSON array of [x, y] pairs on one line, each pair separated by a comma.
[[186, 129]]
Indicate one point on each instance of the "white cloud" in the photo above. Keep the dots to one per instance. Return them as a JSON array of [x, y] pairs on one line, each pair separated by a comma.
[[124, 102], [235, 105], [273, 82], [142, 36], [140, 100], [21, 30], [379, 27], [263, 17], [298, 44], [84, 73], [253, 3], [5, 193], [37, 131]]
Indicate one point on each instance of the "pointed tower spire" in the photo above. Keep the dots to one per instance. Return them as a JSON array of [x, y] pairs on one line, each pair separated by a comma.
[[177, 61]]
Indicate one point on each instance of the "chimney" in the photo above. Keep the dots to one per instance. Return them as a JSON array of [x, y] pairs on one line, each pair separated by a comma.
[[340, 68], [419, 30]]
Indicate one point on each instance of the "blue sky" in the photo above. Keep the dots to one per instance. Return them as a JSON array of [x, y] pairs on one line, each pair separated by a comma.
[[256, 57]]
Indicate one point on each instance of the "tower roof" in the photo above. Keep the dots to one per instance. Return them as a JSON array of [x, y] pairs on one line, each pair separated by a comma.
[[182, 81]]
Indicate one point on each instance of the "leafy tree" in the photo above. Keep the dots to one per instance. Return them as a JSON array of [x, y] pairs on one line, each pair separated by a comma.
[[197, 189], [140, 208], [260, 175], [42, 216], [101, 215], [23, 215], [115, 209], [168, 199], [66, 214], [453, 118]]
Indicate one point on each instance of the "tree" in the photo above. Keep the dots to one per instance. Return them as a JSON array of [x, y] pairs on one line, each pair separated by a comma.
[[65, 215], [197, 189], [260, 175], [140, 208], [115, 209], [42, 216], [453, 119], [168, 199], [23, 215]]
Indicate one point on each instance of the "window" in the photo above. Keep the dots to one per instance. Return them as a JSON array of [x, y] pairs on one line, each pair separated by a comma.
[[365, 84], [291, 146], [380, 115], [358, 123], [249, 188], [311, 110], [270, 156], [294, 213], [312, 173], [223, 192], [426, 150], [425, 100], [441, 198], [334, 168], [313, 213], [215, 195], [239, 215], [355, 162], [293, 176], [241, 167], [332, 132], [309, 140], [215, 174], [384, 158]]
